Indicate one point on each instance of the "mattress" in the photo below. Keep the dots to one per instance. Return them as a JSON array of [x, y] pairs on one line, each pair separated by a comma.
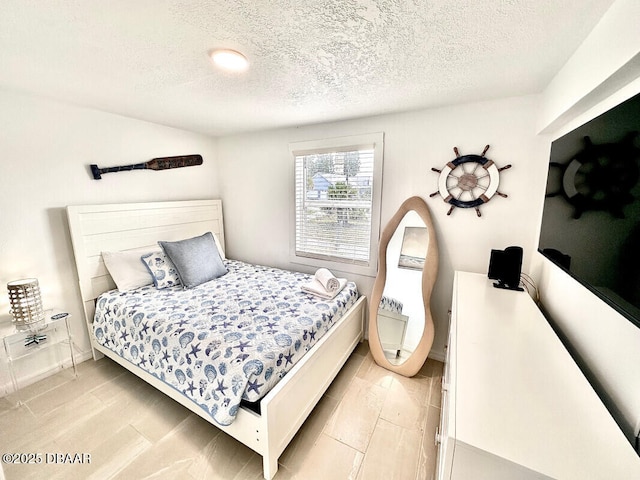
[[222, 342]]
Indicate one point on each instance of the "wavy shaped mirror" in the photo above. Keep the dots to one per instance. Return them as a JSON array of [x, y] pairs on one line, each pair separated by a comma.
[[400, 323]]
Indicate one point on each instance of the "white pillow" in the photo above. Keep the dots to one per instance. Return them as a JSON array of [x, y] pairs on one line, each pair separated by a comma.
[[127, 268], [219, 245]]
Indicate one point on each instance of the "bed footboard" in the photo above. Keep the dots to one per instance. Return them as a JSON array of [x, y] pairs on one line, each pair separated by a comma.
[[288, 405]]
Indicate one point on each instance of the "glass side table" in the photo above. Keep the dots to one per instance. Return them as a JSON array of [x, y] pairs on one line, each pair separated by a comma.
[[53, 335]]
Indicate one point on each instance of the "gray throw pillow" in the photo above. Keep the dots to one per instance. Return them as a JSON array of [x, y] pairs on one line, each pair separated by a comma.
[[196, 259]]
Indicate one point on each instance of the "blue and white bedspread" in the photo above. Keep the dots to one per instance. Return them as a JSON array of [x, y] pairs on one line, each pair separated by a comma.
[[391, 304], [228, 339]]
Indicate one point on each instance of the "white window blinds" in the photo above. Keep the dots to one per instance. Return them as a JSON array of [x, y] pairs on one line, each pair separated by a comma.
[[334, 204]]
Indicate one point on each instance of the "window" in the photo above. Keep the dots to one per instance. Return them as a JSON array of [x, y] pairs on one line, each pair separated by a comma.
[[337, 202]]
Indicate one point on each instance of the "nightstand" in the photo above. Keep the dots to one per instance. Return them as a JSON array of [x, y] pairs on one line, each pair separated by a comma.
[[53, 336]]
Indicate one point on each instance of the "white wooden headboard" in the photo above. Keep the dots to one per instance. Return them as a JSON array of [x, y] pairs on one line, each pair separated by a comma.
[[127, 226]]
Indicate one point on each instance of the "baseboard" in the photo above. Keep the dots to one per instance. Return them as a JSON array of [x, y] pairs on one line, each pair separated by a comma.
[[437, 355]]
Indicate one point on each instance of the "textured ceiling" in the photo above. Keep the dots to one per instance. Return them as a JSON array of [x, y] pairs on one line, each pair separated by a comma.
[[311, 60]]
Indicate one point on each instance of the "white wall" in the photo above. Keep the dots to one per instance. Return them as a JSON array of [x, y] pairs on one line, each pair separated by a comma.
[[602, 73], [45, 150], [258, 185]]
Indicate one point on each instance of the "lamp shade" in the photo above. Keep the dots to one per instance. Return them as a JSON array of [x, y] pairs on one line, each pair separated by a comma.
[[25, 302]]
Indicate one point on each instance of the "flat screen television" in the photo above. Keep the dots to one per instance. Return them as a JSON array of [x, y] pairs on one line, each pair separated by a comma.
[[591, 217]]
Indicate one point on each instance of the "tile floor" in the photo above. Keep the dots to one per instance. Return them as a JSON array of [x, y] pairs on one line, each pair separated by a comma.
[[371, 424]]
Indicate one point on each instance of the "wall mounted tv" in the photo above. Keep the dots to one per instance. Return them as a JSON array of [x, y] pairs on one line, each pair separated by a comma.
[[591, 218]]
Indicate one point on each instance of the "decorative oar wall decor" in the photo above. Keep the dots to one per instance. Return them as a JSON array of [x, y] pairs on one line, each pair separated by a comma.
[[162, 163]]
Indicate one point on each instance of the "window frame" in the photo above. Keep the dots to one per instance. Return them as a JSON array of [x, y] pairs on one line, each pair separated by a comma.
[[363, 141]]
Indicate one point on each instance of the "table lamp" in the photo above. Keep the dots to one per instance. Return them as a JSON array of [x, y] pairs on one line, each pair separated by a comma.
[[26, 303]]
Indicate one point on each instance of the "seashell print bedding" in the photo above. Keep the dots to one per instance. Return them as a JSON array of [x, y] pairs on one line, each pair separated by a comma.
[[224, 341]]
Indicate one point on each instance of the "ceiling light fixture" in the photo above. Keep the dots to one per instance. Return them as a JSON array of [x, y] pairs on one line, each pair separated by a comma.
[[230, 60]]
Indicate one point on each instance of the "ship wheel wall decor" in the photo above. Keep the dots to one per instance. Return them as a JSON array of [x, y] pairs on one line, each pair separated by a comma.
[[469, 181]]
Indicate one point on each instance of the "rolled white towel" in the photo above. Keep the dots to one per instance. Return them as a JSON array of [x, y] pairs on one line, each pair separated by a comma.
[[314, 287], [329, 282]]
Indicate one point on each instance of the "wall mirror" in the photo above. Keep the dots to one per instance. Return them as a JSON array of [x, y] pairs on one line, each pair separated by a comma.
[[400, 324]]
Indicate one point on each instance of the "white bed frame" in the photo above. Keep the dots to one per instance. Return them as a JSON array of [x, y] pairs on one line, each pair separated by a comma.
[[117, 227]]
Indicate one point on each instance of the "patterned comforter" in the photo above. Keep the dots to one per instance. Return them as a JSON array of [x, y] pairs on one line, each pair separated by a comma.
[[391, 304], [228, 339]]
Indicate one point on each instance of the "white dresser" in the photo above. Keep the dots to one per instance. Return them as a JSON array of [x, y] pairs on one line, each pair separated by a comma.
[[515, 405]]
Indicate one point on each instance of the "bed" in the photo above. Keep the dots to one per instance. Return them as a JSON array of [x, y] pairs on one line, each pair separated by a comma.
[[266, 423]]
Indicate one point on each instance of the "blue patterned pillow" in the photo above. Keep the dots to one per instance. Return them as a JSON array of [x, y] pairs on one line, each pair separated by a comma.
[[197, 259], [162, 270]]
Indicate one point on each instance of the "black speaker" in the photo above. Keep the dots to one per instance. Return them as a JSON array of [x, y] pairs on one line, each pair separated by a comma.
[[505, 267]]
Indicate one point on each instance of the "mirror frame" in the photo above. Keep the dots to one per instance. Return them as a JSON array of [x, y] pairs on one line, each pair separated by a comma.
[[429, 272]]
